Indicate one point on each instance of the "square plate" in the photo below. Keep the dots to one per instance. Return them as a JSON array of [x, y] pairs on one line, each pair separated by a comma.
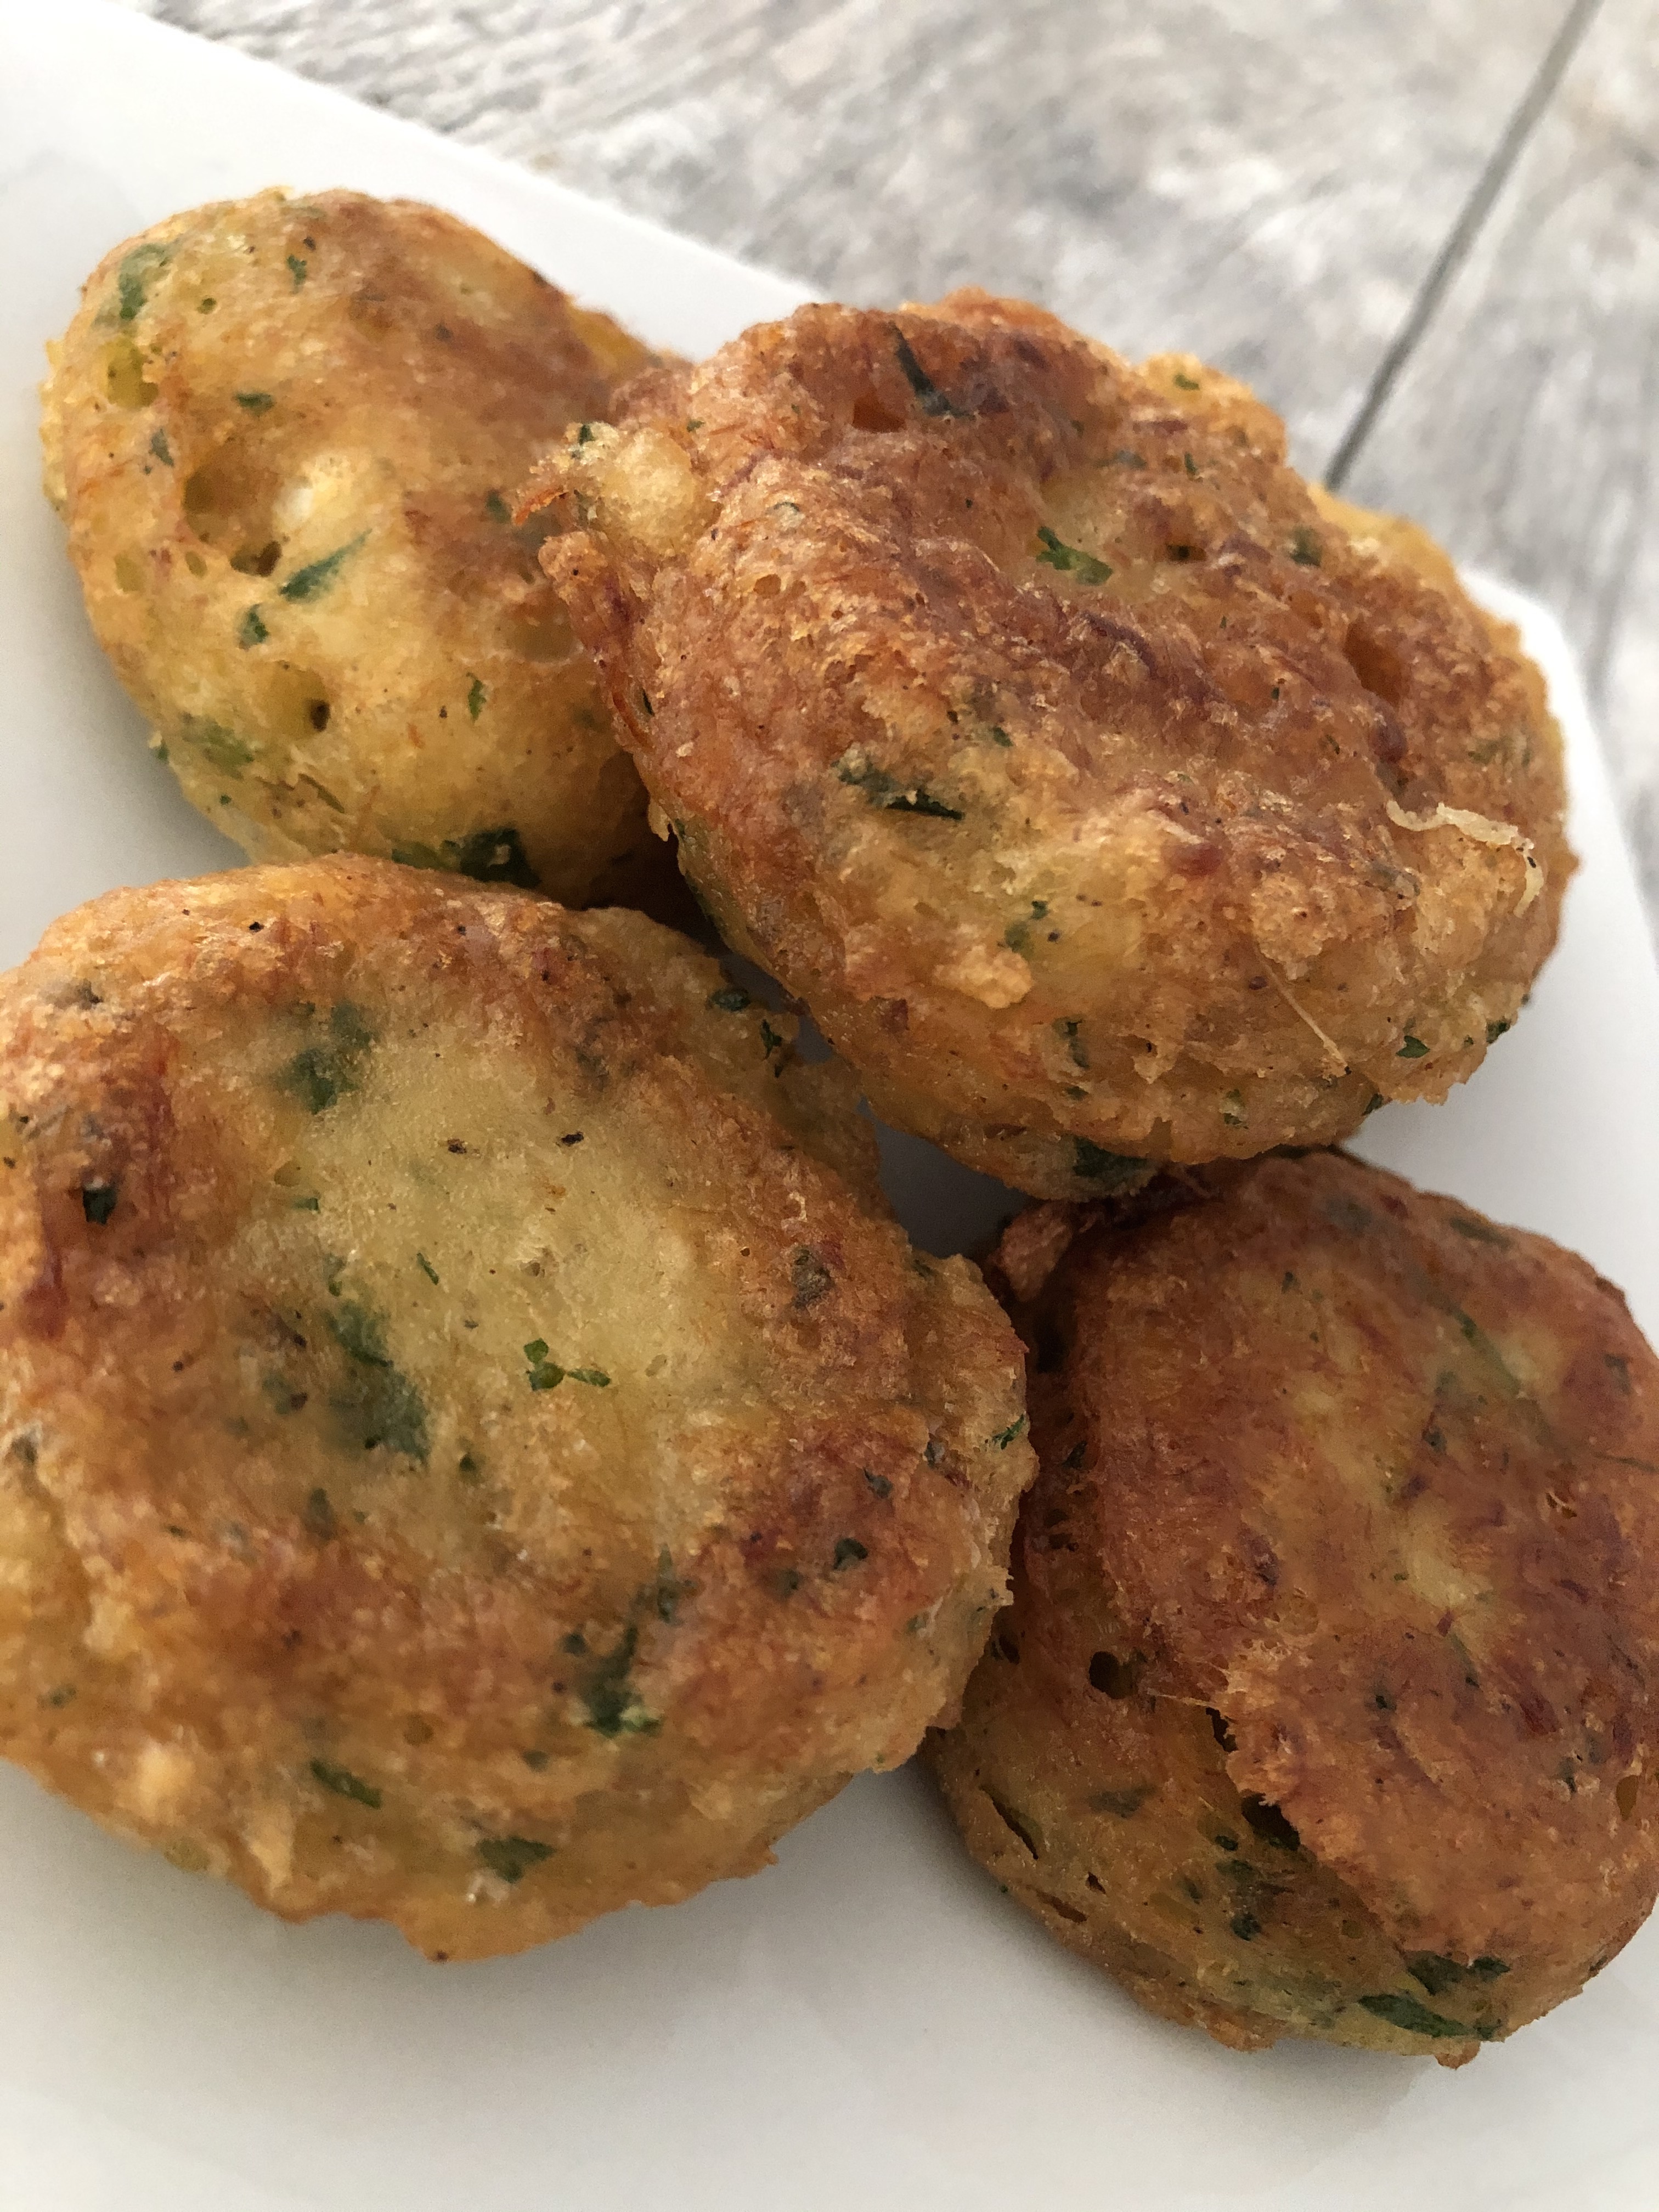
[[869, 2023]]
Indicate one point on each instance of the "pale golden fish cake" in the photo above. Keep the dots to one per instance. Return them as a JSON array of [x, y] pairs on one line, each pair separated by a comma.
[[1328, 1704], [475, 1450], [1108, 794], [283, 432]]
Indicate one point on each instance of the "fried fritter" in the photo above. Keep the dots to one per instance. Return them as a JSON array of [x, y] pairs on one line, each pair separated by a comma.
[[1108, 794], [283, 432], [1328, 1702], [474, 1449]]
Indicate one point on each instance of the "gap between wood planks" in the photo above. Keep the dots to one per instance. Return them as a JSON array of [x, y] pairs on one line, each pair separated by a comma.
[[1461, 236]]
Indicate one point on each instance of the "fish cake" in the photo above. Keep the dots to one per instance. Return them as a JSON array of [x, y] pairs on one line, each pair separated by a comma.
[[475, 1451], [283, 432], [1326, 1705], [1109, 794]]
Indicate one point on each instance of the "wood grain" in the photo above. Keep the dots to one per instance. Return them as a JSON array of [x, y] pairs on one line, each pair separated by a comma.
[[1522, 432], [1265, 181], [1298, 189]]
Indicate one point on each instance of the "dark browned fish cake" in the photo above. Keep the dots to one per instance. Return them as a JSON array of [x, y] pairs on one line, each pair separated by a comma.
[[1106, 791], [1326, 1704], [283, 432], [474, 1449]]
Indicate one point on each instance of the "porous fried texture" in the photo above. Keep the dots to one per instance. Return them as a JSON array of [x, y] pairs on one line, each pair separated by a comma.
[[474, 1450], [283, 432], [1326, 1705], [1107, 792]]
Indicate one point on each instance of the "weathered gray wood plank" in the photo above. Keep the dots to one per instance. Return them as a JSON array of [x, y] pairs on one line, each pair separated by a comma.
[[1265, 181], [1525, 430]]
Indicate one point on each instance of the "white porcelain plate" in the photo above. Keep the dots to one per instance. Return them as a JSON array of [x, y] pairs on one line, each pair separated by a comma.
[[869, 2027]]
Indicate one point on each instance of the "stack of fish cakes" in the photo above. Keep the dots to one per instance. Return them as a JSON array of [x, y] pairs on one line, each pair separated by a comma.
[[1125, 811]]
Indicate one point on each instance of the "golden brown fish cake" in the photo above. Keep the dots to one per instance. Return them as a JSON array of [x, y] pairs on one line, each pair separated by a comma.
[[474, 1449], [283, 432], [1107, 793], [1328, 1702]]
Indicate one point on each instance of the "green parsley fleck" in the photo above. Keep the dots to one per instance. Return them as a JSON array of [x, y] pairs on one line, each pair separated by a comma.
[[1000, 736], [98, 1202], [1305, 549], [1127, 458], [1004, 1438], [322, 1075], [251, 630], [160, 447], [344, 1784], [497, 508], [257, 403], [769, 1038], [477, 694], [1496, 1030], [426, 1267], [1192, 465], [513, 1856], [879, 1483], [670, 1590], [377, 1405], [314, 579], [1085, 566], [929, 398], [584, 434], [137, 272], [297, 270], [206, 306], [1414, 1048], [311, 1205], [545, 1374], [1069, 1029], [613, 1705], [850, 1552], [885, 791], [1187, 383], [486, 856], [1407, 2013], [1092, 1163], [731, 998]]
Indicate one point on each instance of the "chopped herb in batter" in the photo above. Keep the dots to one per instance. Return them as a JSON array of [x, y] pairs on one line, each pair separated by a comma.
[[731, 999], [476, 697], [344, 1784], [1085, 566], [485, 856], [1414, 1048], [850, 1552], [251, 630], [297, 270], [137, 272], [513, 1856], [1407, 2012], [1004, 1438], [884, 791], [1092, 1163], [160, 447], [613, 1705], [1305, 548], [98, 1202], [929, 398], [323, 1073], [257, 403], [426, 1267], [315, 578]]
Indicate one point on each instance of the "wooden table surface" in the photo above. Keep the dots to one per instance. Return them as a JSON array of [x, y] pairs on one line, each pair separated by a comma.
[[1428, 235]]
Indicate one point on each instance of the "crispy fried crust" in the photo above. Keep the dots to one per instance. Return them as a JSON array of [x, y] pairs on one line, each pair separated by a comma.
[[1106, 792], [474, 1450], [283, 432], [1327, 1703]]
